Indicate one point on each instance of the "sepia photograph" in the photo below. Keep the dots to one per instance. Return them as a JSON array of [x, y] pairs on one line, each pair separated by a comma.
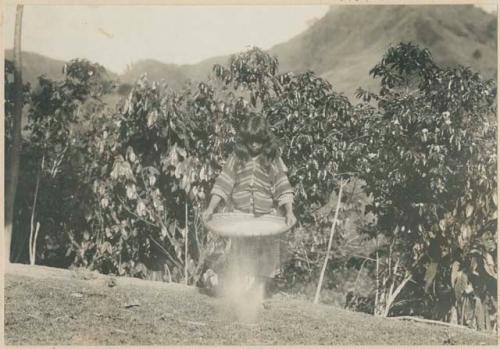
[[236, 174]]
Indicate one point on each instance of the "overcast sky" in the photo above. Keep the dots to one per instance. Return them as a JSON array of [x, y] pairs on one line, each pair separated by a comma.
[[116, 36]]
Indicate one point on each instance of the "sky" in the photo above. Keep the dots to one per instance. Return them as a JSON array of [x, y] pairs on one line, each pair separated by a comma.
[[115, 36]]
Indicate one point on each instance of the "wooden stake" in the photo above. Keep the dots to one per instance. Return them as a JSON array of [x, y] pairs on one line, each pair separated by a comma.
[[33, 232], [330, 241], [186, 244], [33, 250]]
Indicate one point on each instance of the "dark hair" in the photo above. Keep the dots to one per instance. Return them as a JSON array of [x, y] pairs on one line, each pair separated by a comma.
[[256, 128]]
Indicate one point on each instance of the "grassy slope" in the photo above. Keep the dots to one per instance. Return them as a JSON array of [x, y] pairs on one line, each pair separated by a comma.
[[46, 306]]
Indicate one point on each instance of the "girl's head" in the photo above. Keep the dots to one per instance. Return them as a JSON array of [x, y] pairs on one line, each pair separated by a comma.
[[254, 138]]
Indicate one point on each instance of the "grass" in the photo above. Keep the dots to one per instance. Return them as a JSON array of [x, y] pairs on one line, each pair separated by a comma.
[[47, 306]]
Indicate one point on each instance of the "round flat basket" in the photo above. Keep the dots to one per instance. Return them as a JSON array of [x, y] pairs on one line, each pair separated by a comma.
[[246, 224]]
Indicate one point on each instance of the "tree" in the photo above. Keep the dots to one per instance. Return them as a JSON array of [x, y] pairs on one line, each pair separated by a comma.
[[50, 164], [322, 140], [417, 210], [14, 152], [167, 147], [430, 167]]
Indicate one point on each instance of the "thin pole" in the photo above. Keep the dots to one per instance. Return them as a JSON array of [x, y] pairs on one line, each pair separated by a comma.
[[186, 244], [15, 150], [330, 241]]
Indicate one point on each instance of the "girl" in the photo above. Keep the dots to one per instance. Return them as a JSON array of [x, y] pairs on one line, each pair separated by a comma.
[[254, 180]]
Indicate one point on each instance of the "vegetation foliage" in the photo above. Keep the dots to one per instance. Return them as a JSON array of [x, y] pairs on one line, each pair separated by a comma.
[[120, 189]]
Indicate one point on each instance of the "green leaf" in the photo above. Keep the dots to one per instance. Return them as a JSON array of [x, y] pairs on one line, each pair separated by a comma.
[[141, 208], [442, 225], [131, 191], [468, 211]]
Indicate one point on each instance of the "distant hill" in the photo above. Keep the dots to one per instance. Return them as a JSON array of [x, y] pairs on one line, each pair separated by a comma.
[[35, 65], [349, 40], [344, 45], [175, 75], [156, 70]]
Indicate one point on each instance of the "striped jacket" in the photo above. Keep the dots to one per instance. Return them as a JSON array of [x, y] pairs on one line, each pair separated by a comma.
[[251, 188]]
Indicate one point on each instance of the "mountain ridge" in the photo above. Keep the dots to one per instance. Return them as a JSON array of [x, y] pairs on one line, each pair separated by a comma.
[[348, 41], [36, 65], [343, 54]]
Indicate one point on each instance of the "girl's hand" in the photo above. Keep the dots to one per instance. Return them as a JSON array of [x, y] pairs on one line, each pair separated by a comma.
[[207, 214], [290, 218]]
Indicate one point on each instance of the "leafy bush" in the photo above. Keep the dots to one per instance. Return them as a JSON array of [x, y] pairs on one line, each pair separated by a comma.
[[417, 222], [431, 168]]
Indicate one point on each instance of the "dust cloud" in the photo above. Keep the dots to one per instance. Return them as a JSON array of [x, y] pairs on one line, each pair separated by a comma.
[[243, 290]]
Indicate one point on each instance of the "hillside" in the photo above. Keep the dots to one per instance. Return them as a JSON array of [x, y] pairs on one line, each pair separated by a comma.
[[345, 44], [35, 65], [175, 75], [48, 306], [348, 41]]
